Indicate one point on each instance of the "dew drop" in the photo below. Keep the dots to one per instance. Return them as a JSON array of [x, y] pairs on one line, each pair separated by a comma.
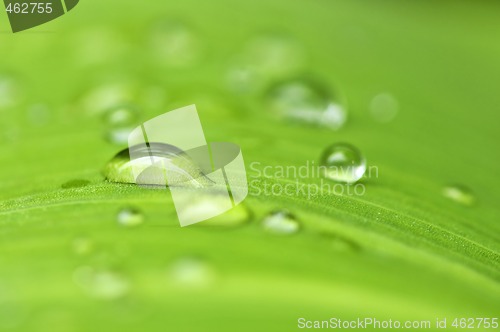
[[281, 222], [460, 194], [101, 284], [384, 107], [121, 168], [120, 121], [307, 101], [191, 272], [342, 162], [130, 217], [175, 44]]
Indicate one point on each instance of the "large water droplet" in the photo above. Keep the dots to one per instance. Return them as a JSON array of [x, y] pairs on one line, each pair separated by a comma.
[[151, 163], [120, 121], [191, 272], [130, 217], [384, 107], [343, 162], [281, 222], [101, 284], [459, 194], [175, 44], [307, 101]]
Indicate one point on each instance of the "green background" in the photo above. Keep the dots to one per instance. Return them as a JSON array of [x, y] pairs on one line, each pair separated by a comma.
[[401, 251]]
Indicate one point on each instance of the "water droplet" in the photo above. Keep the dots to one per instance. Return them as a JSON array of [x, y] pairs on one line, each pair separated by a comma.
[[101, 284], [459, 194], [130, 217], [82, 245], [307, 101], [105, 97], [9, 91], [75, 184], [341, 243], [191, 272], [204, 205], [120, 121], [281, 222], [175, 44], [343, 162], [384, 107], [151, 163]]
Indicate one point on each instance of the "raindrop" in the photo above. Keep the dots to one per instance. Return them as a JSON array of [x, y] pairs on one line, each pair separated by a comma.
[[384, 107], [307, 101], [151, 163], [281, 222], [191, 272], [120, 121], [343, 163], [130, 217], [459, 194], [101, 284]]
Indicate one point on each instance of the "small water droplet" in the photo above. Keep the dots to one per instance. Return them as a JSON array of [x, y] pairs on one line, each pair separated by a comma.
[[204, 205], [191, 272], [9, 91], [307, 101], [281, 222], [75, 184], [120, 121], [101, 284], [384, 107], [343, 163], [106, 96], [121, 168], [82, 245], [175, 44], [459, 194], [130, 217]]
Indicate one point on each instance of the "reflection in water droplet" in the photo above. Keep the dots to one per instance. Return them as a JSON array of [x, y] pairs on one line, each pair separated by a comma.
[[120, 121], [459, 194], [175, 44], [281, 222], [191, 272], [9, 91], [82, 245], [75, 184], [308, 102], [130, 217], [343, 162], [101, 284], [384, 107], [151, 163]]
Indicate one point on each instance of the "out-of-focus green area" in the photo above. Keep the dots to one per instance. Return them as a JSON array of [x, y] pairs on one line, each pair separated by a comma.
[[401, 251]]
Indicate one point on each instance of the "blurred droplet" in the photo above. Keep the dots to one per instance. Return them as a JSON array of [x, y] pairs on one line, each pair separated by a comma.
[[82, 245], [281, 222], [191, 272], [151, 163], [120, 121], [343, 163], [9, 91], [308, 102], [75, 184], [101, 284], [175, 44], [130, 217], [107, 96], [39, 114], [460, 194], [384, 107]]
